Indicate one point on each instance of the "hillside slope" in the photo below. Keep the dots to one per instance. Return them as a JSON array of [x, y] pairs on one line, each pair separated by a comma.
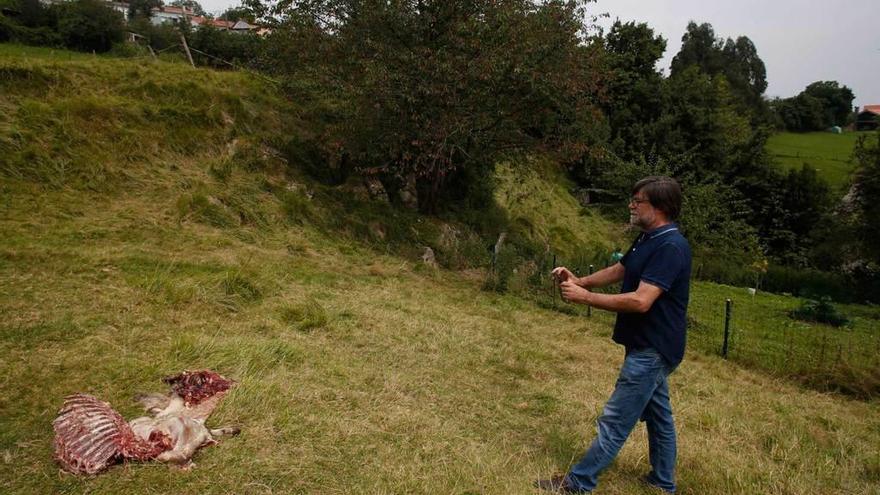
[[830, 154], [127, 256]]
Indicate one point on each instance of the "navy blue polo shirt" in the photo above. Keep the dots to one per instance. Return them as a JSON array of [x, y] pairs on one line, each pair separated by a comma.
[[660, 257]]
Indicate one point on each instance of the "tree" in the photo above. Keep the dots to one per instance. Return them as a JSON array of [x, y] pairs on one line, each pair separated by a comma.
[[703, 129], [786, 209], [433, 93], [237, 48], [699, 47], [866, 191], [744, 69], [836, 101], [737, 61], [89, 25], [634, 100], [192, 5], [34, 14], [802, 113], [142, 8], [238, 13], [819, 106]]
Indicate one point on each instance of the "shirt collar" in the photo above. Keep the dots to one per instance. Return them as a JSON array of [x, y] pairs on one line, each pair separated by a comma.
[[660, 230]]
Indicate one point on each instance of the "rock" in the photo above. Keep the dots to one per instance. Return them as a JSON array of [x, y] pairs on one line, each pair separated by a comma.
[[375, 189], [408, 195], [428, 257], [377, 231]]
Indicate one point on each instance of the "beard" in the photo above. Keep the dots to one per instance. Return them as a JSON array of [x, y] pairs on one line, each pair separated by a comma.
[[640, 221]]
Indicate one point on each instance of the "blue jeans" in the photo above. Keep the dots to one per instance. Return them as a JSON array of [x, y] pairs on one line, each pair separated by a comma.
[[641, 392]]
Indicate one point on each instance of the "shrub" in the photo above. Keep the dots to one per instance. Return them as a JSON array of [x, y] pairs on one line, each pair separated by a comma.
[[821, 311], [805, 281], [224, 47], [128, 50], [296, 207], [39, 36], [159, 37], [778, 279], [89, 25], [504, 266], [316, 160]]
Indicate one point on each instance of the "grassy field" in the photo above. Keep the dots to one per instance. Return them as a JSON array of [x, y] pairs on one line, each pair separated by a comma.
[[763, 336], [830, 154], [359, 369]]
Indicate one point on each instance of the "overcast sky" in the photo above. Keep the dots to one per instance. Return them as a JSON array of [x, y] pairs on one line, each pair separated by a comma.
[[800, 41]]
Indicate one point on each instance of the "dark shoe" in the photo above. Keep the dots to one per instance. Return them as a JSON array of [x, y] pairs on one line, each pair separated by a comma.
[[649, 480], [557, 484]]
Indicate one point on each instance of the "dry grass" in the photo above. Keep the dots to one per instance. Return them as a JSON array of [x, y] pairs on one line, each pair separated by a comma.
[[415, 380]]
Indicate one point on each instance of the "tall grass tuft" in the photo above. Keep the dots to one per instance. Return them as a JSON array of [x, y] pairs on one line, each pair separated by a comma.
[[305, 316], [200, 207]]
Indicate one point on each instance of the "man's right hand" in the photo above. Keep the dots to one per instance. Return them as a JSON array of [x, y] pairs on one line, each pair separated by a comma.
[[561, 274]]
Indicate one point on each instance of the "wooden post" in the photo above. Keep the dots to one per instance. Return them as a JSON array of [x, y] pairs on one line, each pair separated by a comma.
[[186, 49], [727, 308]]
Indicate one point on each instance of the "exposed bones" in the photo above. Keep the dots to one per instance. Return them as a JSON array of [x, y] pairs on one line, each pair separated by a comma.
[[90, 436]]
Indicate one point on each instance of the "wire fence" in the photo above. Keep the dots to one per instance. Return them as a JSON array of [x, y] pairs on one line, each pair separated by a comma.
[[762, 334]]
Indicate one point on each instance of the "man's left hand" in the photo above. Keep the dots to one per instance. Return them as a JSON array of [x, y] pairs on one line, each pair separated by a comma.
[[574, 293]]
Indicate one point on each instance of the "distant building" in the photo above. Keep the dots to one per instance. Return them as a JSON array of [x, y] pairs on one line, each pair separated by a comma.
[[239, 26], [120, 7], [199, 21], [161, 15], [868, 119]]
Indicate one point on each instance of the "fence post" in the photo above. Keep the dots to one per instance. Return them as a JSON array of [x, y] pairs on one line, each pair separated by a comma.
[[589, 308], [727, 310]]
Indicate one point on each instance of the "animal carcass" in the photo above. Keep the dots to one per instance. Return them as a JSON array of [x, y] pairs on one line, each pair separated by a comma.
[[90, 435]]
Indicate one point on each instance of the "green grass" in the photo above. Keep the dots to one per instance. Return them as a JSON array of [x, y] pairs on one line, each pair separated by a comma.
[[359, 370], [830, 154], [535, 194], [764, 336]]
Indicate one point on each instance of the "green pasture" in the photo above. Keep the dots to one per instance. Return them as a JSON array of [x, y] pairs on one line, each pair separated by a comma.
[[130, 250], [764, 336], [830, 154]]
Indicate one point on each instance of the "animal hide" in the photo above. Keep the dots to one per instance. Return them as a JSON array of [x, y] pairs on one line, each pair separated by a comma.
[[90, 436]]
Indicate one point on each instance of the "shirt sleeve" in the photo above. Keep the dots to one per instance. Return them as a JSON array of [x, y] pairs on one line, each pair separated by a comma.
[[664, 266]]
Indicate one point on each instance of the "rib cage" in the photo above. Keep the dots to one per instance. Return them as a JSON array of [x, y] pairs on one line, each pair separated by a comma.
[[88, 434]]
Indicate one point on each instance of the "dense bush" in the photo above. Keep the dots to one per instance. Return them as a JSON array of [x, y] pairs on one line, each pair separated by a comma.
[[780, 279], [85, 25], [819, 106], [36, 36], [224, 47], [89, 25], [820, 311], [159, 37], [423, 90]]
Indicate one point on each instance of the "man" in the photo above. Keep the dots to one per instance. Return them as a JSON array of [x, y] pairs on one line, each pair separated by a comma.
[[651, 325]]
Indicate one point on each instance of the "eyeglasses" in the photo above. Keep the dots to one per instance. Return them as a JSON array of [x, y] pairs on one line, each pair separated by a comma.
[[637, 201]]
